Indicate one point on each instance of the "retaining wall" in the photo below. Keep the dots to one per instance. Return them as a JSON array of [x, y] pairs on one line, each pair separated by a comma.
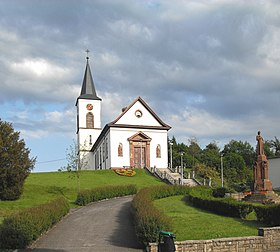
[[267, 240]]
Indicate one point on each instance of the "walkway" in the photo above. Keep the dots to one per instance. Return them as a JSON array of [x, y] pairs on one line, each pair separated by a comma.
[[101, 226]]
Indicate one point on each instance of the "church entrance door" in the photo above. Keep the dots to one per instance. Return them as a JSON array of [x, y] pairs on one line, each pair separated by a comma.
[[139, 157], [139, 150]]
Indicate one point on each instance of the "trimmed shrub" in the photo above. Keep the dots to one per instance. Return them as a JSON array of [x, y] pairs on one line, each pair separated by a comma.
[[219, 192], [20, 229], [222, 206], [149, 221], [269, 214], [107, 192]]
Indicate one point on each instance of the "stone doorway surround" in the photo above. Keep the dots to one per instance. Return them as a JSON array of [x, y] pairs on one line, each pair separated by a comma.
[[139, 148]]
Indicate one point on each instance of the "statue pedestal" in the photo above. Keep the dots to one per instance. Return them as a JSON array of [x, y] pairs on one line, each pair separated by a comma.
[[262, 183], [263, 197]]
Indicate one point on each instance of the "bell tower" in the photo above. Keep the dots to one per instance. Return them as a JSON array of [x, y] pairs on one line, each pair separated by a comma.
[[88, 118]]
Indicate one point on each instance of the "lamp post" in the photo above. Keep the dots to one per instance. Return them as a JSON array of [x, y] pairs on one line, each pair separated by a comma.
[[222, 170], [140, 153], [171, 165], [182, 169]]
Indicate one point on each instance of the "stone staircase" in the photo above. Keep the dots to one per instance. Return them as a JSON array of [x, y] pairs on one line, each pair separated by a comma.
[[173, 178]]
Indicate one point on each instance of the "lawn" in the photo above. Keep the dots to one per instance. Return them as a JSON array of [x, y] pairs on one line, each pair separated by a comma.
[[40, 188], [190, 223]]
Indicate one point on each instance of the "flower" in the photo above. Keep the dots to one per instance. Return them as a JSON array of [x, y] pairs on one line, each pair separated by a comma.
[[129, 172]]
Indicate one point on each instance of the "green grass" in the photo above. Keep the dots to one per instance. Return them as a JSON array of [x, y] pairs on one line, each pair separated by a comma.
[[40, 188], [191, 223]]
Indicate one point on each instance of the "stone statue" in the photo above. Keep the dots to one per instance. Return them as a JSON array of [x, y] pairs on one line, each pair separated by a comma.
[[262, 191], [261, 180], [259, 138]]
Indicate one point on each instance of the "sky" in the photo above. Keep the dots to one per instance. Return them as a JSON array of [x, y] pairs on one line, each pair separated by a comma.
[[209, 68]]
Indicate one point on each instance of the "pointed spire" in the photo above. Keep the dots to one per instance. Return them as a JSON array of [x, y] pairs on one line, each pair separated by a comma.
[[88, 88]]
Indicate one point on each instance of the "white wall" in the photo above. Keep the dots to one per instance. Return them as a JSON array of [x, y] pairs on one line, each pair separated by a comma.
[[82, 105], [120, 135], [84, 133], [130, 118], [103, 161], [274, 172]]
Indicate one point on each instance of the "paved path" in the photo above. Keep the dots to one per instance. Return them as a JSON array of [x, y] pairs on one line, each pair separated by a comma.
[[101, 226]]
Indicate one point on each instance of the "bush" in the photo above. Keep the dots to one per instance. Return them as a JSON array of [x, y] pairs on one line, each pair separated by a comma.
[[149, 221], [87, 196], [226, 206], [268, 214], [219, 192], [20, 229]]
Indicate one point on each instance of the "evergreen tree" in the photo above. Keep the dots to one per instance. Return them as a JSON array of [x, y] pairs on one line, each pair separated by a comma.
[[15, 164]]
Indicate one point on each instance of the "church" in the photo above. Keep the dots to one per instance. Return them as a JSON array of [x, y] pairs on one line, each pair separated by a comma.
[[136, 138]]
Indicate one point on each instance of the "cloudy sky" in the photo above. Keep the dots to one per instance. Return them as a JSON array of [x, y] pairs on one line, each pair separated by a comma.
[[209, 68]]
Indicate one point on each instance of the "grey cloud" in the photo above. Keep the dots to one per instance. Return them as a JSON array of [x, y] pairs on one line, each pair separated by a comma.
[[217, 57]]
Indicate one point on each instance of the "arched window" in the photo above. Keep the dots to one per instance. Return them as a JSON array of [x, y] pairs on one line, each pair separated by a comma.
[[120, 150], [158, 151], [89, 120]]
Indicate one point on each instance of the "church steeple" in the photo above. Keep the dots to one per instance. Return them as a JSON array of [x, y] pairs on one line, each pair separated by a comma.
[[88, 88], [88, 115]]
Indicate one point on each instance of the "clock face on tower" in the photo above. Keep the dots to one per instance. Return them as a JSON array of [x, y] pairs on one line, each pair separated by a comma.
[[89, 106]]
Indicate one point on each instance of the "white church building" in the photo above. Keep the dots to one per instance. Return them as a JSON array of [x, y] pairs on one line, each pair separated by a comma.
[[136, 138]]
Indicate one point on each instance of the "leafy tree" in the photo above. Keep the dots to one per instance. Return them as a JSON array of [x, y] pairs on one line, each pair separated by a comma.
[[211, 156], [275, 145], [268, 149], [15, 164], [177, 148], [205, 171], [75, 162], [234, 167], [242, 148], [194, 150]]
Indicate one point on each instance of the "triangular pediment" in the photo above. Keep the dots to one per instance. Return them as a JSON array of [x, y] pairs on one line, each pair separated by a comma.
[[139, 114], [140, 136]]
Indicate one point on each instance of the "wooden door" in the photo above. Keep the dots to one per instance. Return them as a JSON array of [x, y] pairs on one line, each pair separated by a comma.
[[138, 156]]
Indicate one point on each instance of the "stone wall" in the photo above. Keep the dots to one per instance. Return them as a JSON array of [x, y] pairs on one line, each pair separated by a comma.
[[267, 240]]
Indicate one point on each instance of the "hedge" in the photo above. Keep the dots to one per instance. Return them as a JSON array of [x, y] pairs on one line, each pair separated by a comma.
[[19, 230], [269, 214], [148, 219], [223, 206], [87, 196]]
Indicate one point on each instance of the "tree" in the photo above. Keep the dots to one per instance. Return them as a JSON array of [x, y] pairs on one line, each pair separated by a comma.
[[242, 148], [75, 161], [275, 145], [211, 156], [194, 150], [234, 167], [268, 149], [15, 164]]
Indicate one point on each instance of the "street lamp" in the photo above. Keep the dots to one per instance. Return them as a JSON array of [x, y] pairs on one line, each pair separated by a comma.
[[222, 170], [182, 169], [171, 144], [140, 153]]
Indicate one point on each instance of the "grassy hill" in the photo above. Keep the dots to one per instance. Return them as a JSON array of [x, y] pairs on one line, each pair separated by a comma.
[[40, 188]]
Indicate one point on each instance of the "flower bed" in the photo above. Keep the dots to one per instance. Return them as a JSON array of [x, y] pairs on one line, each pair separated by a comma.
[[128, 172]]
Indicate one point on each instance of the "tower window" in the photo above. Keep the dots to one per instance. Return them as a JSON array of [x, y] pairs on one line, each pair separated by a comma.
[[89, 120]]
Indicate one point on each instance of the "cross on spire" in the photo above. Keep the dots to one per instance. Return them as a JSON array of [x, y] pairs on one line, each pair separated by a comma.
[[87, 51]]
